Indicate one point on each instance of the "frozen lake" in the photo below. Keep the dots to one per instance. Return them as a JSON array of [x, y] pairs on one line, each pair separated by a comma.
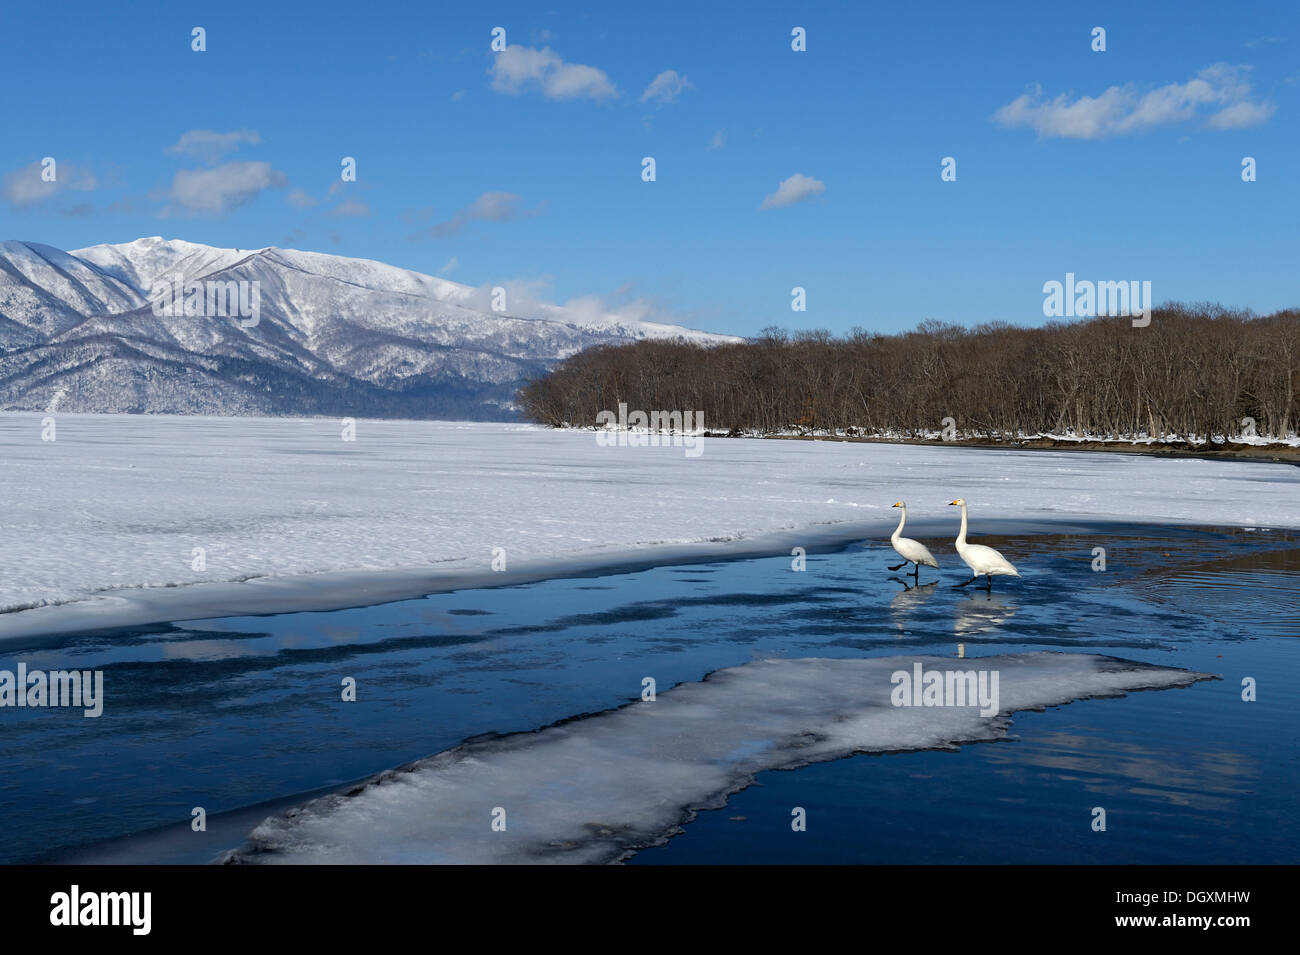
[[130, 519]]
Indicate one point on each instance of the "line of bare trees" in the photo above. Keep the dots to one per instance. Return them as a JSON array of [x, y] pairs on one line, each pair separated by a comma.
[[1195, 371]]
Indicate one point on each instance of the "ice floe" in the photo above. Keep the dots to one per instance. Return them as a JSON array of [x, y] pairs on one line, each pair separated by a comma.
[[596, 788]]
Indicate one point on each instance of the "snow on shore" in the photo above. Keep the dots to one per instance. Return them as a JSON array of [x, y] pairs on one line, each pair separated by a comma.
[[119, 503], [594, 789]]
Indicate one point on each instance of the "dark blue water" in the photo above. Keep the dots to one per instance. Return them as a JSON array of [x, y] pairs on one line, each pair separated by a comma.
[[227, 714]]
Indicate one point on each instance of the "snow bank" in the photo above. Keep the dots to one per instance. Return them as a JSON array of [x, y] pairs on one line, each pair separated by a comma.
[[595, 788], [116, 512]]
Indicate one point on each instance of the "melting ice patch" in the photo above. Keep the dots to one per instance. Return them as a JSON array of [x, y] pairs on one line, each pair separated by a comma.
[[597, 788]]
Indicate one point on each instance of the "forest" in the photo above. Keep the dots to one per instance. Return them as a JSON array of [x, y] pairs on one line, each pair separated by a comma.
[[1195, 372]]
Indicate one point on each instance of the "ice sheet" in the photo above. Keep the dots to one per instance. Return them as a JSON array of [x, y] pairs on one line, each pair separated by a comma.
[[120, 502], [594, 789]]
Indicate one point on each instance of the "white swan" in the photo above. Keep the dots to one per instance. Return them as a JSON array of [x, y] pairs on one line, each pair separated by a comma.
[[983, 561], [912, 552]]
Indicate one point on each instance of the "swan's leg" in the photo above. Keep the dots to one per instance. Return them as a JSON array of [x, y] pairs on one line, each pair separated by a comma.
[[988, 585], [971, 581], [916, 571], [903, 564]]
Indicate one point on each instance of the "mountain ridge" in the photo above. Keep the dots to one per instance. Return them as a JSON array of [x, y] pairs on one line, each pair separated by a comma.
[[331, 335]]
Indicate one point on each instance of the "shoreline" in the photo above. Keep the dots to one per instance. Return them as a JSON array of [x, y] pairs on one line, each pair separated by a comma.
[[343, 590], [346, 590], [1252, 453]]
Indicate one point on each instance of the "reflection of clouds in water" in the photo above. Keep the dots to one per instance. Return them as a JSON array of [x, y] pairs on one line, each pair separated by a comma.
[[981, 612], [455, 621], [1204, 781], [207, 650], [336, 634], [292, 641], [452, 625]]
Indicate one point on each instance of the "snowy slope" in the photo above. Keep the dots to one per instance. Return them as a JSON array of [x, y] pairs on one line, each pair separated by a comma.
[[47, 291], [145, 261], [334, 335]]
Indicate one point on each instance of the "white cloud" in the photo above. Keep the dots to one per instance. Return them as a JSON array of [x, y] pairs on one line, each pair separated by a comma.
[[594, 309], [302, 200], [1241, 115], [666, 87], [719, 139], [26, 186], [350, 207], [517, 68], [210, 146], [795, 189], [423, 214], [219, 190], [1121, 110], [489, 207], [525, 297], [452, 264], [533, 297]]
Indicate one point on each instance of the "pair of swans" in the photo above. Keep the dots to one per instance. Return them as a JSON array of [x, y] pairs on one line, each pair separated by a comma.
[[983, 561]]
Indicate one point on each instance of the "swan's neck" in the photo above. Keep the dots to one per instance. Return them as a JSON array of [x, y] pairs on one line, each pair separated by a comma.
[[902, 519], [961, 537]]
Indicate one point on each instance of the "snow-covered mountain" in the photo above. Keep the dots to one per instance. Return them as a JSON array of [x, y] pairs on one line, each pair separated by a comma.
[[79, 332]]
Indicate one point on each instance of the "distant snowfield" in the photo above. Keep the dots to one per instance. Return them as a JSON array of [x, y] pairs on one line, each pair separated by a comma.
[[106, 519]]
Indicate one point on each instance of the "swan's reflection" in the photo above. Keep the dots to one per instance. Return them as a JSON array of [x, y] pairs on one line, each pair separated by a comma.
[[981, 612], [905, 602]]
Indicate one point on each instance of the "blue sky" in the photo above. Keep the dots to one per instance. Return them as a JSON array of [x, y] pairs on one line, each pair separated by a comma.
[[525, 167]]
